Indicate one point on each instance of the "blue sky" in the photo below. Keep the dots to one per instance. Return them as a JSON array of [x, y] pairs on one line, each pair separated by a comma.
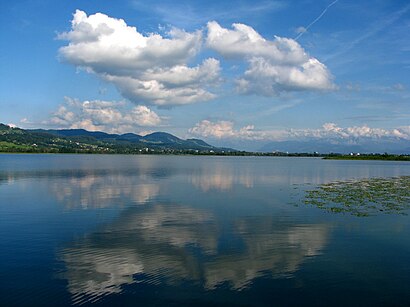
[[239, 73]]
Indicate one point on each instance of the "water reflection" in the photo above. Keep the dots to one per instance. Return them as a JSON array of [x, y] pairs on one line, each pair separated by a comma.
[[219, 180], [209, 228], [170, 244], [95, 191], [6, 178], [95, 272], [277, 250], [221, 176], [91, 189], [204, 173]]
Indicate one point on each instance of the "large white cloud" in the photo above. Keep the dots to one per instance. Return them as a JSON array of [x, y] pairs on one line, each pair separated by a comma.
[[244, 41], [153, 68], [98, 115], [159, 93], [226, 130], [149, 68], [181, 75], [109, 45], [264, 77], [275, 65]]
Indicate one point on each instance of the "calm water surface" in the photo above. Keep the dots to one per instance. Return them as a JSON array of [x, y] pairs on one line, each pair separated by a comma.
[[182, 230]]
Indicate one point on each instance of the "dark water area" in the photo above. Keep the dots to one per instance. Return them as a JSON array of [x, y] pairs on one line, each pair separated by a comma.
[[181, 230]]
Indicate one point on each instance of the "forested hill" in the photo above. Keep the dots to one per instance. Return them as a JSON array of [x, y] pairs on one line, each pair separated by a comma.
[[83, 141]]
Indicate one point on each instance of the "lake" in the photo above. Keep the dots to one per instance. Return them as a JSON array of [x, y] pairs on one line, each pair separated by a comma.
[[189, 230]]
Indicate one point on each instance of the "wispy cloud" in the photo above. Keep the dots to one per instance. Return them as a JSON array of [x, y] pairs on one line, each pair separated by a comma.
[[185, 14], [377, 118], [303, 30], [273, 110], [281, 107], [376, 27]]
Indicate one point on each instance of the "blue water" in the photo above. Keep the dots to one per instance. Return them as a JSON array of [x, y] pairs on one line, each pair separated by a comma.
[[183, 230]]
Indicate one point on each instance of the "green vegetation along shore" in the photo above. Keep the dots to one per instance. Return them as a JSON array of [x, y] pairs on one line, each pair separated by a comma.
[[384, 157]]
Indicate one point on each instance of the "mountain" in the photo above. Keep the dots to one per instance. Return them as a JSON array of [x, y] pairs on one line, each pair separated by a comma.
[[80, 140], [77, 132], [161, 138], [164, 139], [198, 142], [156, 139], [132, 137]]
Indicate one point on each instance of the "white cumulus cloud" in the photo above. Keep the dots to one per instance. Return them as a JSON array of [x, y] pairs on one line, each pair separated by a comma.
[[275, 66], [156, 69], [149, 68], [157, 92], [244, 41], [109, 45], [225, 130], [98, 115], [181, 75]]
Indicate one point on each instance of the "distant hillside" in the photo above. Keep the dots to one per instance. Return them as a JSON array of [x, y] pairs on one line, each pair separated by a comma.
[[77, 132], [83, 141]]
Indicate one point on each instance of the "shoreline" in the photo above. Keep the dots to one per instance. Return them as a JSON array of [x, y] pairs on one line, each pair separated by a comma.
[[376, 157]]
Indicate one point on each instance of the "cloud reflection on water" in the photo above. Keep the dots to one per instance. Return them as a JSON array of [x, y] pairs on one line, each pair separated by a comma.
[[221, 176], [272, 250], [173, 241], [93, 191], [166, 243]]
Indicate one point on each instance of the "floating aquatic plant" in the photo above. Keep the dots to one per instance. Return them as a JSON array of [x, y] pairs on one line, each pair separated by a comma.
[[362, 197]]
